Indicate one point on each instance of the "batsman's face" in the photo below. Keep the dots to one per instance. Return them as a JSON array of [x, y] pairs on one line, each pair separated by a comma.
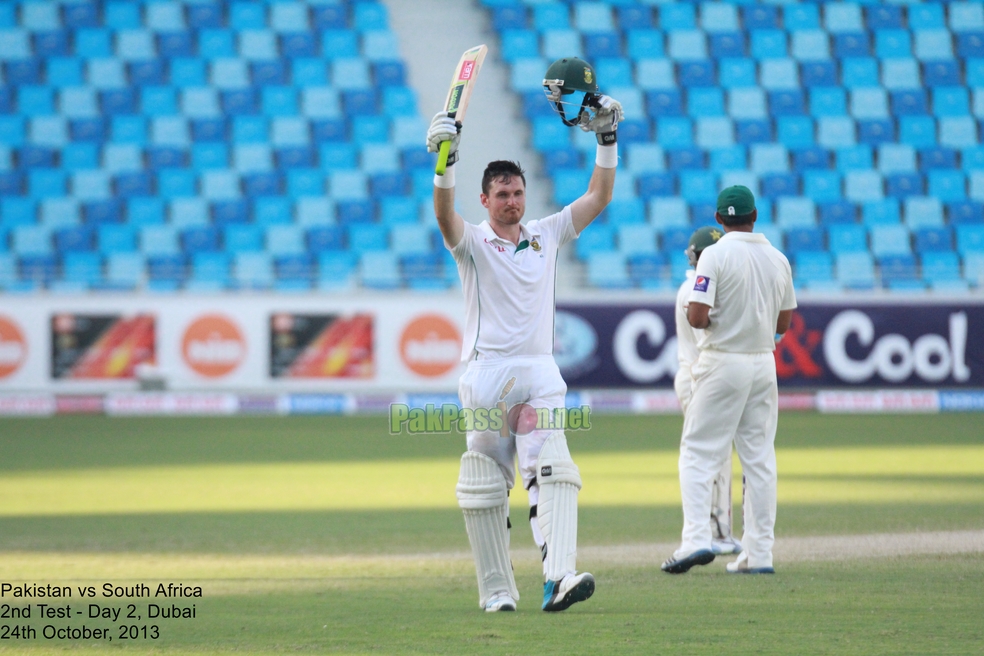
[[506, 201]]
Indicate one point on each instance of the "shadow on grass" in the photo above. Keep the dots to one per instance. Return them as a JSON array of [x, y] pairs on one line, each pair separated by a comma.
[[423, 531]]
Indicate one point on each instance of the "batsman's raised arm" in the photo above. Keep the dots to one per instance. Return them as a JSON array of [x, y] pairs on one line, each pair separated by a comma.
[[443, 128], [597, 113], [586, 208]]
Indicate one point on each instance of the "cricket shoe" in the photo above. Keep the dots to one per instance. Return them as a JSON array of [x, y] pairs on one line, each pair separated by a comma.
[[740, 566], [680, 565], [500, 601], [562, 594], [726, 546]]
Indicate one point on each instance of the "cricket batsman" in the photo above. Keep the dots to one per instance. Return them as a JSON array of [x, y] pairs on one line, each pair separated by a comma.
[[507, 271]]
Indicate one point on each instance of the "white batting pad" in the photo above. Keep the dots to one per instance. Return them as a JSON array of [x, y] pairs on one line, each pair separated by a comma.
[[721, 502], [483, 500], [559, 481]]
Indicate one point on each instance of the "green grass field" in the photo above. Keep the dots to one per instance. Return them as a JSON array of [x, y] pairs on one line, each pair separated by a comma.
[[327, 534]]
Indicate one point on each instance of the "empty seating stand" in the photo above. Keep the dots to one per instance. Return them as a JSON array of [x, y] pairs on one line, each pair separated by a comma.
[[207, 144], [859, 122]]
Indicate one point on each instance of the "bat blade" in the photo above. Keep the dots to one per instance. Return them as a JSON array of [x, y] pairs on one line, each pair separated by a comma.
[[462, 85]]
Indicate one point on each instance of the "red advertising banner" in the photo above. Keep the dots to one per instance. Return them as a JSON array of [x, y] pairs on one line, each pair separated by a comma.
[[321, 346], [87, 346]]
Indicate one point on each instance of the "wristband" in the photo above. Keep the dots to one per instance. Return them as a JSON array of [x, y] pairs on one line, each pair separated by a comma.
[[445, 181], [607, 156]]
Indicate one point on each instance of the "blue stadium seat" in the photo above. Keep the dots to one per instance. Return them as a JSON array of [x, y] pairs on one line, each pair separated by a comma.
[[941, 73], [881, 212], [41, 269], [937, 158], [938, 239], [923, 211], [812, 157], [209, 271], [847, 238], [819, 74], [940, 268], [325, 238], [685, 158], [602, 44], [168, 269], [230, 212], [768, 44], [240, 238], [813, 269], [200, 239], [795, 132], [890, 240], [760, 17], [880, 17], [800, 240], [851, 44], [901, 185], [970, 239], [837, 212], [810, 45], [898, 272], [294, 272], [728, 44], [625, 211], [253, 270], [965, 212], [600, 238], [855, 270], [509, 17], [380, 270], [696, 73], [787, 103]]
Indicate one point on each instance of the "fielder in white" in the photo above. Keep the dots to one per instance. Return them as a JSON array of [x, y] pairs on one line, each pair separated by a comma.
[[742, 297], [507, 273], [723, 542]]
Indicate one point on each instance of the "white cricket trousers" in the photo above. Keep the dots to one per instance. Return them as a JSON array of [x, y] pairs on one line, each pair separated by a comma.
[[538, 384], [734, 395]]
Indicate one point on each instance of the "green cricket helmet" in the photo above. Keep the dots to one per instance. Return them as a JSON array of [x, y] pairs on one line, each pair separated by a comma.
[[565, 77], [701, 239]]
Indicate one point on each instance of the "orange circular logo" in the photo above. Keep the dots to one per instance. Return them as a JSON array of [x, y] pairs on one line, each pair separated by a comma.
[[13, 347], [213, 345], [430, 345]]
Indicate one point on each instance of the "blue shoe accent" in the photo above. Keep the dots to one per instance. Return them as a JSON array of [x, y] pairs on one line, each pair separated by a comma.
[[548, 592], [681, 565], [553, 600]]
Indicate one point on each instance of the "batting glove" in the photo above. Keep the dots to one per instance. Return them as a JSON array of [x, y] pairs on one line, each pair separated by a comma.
[[604, 123], [444, 128]]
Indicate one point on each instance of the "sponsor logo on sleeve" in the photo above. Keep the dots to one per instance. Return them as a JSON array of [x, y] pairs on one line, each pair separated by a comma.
[[701, 283]]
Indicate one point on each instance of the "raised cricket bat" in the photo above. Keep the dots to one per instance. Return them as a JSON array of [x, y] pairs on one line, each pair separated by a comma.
[[459, 94]]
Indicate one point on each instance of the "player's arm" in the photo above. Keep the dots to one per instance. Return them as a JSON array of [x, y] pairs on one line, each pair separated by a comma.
[[451, 224], [604, 124], [782, 325], [585, 209], [699, 314]]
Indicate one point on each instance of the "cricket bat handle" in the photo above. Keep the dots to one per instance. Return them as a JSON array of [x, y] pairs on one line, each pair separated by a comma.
[[442, 157]]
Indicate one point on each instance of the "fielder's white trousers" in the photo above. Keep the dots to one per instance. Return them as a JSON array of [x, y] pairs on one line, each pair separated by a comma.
[[538, 384], [734, 396]]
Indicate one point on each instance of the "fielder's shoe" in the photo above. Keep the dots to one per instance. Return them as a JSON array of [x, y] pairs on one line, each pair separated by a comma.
[[681, 565], [500, 601], [726, 546], [562, 594], [741, 567]]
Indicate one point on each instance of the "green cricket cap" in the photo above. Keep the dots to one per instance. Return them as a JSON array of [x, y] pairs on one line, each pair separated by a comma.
[[735, 201]]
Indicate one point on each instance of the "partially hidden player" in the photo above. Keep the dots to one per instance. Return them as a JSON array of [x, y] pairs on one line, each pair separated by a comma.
[[742, 297], [723, 542], [507, 274]]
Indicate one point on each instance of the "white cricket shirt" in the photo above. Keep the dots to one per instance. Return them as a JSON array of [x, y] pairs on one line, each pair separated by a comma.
[[687, 336], [509, 289], [747, 283]]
